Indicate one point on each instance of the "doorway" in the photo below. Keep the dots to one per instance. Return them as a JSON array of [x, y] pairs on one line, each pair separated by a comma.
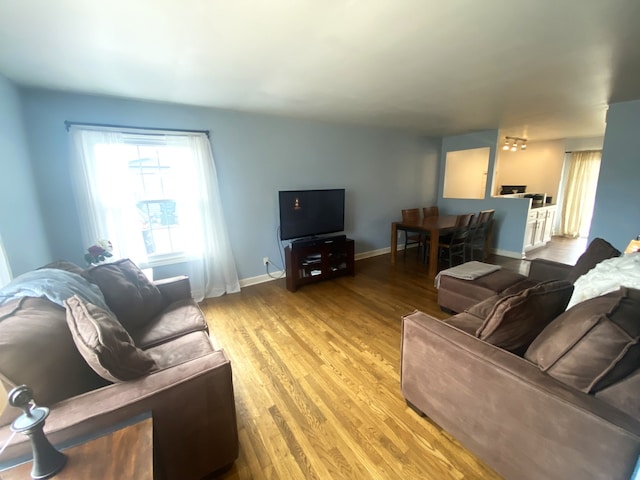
[[578, 193]]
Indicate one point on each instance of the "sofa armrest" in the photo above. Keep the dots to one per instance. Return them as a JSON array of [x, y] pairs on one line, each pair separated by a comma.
[[519, 420], [541, 270], [194, 417], [174, 288]]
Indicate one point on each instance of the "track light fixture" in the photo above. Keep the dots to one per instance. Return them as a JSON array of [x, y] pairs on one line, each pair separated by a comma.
[[511, 143]]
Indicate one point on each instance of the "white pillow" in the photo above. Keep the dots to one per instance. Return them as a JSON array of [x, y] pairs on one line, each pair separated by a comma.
[[607, 276]]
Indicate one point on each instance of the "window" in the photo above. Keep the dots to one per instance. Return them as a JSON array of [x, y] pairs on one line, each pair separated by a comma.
[[155, 197], [155, 193], [153, 174]]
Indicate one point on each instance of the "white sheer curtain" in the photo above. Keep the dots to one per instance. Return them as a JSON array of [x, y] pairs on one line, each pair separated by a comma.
[[106, 202], [580, 193], [5, 268]]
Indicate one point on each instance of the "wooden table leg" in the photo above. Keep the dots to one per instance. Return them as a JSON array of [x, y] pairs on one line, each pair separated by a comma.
[[432, 267], [394, 242]]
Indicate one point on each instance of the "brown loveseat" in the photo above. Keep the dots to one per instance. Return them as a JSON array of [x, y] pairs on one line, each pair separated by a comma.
[[535, 391], [172, 369]]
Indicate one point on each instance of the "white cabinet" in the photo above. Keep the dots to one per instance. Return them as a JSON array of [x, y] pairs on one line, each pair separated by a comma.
[[530, 231], [539, 227], [548, 224]]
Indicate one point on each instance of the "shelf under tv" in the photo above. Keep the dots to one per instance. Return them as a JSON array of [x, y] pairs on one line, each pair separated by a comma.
[[317, 261]]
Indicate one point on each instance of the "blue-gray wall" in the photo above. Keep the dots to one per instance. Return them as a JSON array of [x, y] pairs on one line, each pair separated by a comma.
[[510, 216], [382, 170], [21, 226], [616, 216]]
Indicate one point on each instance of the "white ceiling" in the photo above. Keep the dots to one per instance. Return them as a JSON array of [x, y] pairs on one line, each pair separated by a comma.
[[541, 69]]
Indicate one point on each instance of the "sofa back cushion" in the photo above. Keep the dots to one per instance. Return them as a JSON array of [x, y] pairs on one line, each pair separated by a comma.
[[515, 320], [128, 293], [597, 251], [36, 349], [593, 344], [104, 343], [624, 394]]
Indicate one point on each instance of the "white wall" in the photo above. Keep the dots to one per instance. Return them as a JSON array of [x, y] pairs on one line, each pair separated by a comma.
[[539, 167]]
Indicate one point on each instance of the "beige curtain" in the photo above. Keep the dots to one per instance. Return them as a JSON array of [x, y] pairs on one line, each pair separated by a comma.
[[580, 193]]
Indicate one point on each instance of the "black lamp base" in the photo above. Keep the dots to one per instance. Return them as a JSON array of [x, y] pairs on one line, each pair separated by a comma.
[[47, 461]]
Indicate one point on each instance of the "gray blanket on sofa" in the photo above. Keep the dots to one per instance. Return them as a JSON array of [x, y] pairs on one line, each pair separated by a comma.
[[54, 284]]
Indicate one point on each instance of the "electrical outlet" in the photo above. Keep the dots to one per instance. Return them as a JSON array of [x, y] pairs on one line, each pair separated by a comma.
[[265, 260]]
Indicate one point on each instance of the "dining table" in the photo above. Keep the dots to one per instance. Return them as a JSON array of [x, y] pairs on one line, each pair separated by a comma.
[[434, 226]]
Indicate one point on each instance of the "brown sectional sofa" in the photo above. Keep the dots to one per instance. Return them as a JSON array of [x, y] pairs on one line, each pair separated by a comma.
[[535, 391], [172, 369]]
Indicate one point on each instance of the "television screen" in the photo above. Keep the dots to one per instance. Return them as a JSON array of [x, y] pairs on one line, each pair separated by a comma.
[[305, 213]]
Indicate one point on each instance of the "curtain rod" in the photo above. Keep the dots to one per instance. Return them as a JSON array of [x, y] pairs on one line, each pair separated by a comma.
[[68, 125]]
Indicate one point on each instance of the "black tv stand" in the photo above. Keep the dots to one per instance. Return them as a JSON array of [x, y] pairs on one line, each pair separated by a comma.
[[314, 262], [316, 241]]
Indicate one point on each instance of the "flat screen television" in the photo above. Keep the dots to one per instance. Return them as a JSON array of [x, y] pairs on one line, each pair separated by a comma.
[[306, 213]]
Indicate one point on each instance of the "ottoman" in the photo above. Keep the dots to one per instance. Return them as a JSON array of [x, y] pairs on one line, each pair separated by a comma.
[[456, 295]]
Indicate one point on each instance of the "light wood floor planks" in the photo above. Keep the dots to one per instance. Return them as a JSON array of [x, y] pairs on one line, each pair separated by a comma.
[[317, 382]]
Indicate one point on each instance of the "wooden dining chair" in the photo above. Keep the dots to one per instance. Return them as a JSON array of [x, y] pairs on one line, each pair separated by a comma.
[[430, 211], [412, 215], [478, 234], [455, 243]]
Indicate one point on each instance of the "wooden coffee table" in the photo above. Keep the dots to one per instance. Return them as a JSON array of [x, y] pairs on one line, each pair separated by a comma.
[[126, 452]]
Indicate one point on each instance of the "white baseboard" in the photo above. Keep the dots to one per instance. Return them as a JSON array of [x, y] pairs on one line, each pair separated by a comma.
[[246, 282]]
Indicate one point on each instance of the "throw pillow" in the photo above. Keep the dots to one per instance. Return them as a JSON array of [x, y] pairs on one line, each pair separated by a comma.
[[36, 349], [128, 292], [104, 343], [515, 320], [593, 344], [597, 251]]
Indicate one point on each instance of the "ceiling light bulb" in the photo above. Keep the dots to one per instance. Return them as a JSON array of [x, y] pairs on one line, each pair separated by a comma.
[[523, 146], [514, 147], [506, 144]]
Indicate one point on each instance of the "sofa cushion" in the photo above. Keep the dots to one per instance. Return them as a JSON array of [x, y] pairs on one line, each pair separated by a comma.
[[104, 343], [37, 350], [597, 251], [182, 349], [593, 344], [457, 294], [466, 322], [515, 320], [520, 286], [127, 291], [178, 319], [623, 394]]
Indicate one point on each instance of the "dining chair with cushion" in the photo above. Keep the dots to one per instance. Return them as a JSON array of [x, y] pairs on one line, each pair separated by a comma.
[[412, 215]]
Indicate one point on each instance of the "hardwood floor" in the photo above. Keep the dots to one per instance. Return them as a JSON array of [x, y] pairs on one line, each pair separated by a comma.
[[561, 249], [317, 375], [317, 382]]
